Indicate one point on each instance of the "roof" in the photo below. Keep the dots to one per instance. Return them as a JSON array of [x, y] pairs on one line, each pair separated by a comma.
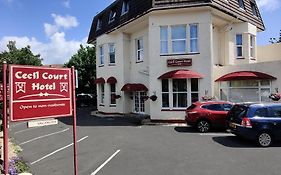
[[138, 8]]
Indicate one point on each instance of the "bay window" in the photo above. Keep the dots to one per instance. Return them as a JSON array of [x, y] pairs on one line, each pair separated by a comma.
[[165, 93], [102, 94], [193, 38], [139, 48], [245, 90], [179, 93], [252, 46], [163, 39], [111, 48], [239, 45], [112, 94], [101, 55], [178, 39]]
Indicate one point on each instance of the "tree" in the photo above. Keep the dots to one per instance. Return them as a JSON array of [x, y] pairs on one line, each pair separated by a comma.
[[274, 40], [84, 62], [23, 56]]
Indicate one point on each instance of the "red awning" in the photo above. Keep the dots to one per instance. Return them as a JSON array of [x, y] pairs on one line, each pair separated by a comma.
[[245, 75], [180, 74], [134, 87], [111, 80], [99, 80]]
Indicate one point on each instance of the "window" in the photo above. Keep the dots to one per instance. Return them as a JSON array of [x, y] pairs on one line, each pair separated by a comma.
[[99, 24], [102, 93], [239, 46], [275, 111], [215, 107], [165, 93], [194, 90], [193, 38], [262, 112], [179, 93], [125, 7], [111, 48], [112, 16], [241, 4], [246, 90], [254, 9], [112, 94], [101, 56], [252, 50], [178, 39], [163, 39], [139, 47]]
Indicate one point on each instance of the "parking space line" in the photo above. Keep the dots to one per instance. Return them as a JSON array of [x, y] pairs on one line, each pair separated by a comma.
[[47, 135], [28, 129], [104, 163], [58, 150]]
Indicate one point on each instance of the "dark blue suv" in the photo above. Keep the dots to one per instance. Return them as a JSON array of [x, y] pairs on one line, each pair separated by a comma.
[[256, 121]]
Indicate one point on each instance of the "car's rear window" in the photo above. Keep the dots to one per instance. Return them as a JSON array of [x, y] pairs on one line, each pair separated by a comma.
[[238, 111]]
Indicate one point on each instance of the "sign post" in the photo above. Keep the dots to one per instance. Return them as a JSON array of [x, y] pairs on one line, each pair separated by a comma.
[[5, 120], [74, 121]]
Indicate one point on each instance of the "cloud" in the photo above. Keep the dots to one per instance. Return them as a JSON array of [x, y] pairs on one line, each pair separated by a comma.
[[60, 22], [66, 4], [269, 5], [58, 50], [65, 21]]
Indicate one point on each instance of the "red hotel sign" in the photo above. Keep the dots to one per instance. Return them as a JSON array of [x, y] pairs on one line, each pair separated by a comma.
[[179, 62], [40, 92]]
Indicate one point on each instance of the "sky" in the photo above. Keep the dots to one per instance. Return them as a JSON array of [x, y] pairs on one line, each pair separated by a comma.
[[56, 28]]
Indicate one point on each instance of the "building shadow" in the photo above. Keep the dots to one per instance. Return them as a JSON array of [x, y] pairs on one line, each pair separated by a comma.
[[84, 118], [238, 142]]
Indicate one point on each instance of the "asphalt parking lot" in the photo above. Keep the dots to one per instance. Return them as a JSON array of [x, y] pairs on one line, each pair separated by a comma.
[[118, 146]]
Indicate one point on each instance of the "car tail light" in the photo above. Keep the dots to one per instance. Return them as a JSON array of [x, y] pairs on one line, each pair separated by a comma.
[[246, 122]]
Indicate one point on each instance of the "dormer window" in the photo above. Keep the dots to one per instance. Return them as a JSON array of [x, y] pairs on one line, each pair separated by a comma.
[[254, 9], [125, 7], [112, 16], [99, 24], [241, 4]]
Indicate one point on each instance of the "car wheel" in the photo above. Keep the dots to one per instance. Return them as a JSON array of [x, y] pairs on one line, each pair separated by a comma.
[[264, 139], [203, 126]]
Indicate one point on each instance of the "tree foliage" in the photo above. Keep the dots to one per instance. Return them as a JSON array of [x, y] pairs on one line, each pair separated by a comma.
[[274, 40], [84, 62], [23, 56]]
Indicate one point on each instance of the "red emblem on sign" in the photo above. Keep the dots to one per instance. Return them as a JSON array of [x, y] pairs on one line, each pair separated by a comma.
[[40, 92]]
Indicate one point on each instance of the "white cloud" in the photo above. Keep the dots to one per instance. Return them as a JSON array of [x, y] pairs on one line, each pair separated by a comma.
[[50, 29], [65, 21], [269, 5], [58, 50], [66, 4]]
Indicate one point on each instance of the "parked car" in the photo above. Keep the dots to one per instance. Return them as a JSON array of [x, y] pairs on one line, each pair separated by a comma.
[[207, 114], [256, 121], [85, 99]]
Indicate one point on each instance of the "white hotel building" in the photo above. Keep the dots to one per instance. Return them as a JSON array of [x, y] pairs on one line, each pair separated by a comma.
[[156, 57]]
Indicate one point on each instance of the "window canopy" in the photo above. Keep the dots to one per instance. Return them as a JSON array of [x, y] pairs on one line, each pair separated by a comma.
[[99, 80], [245, 75], [180, 74], [134, 87]]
